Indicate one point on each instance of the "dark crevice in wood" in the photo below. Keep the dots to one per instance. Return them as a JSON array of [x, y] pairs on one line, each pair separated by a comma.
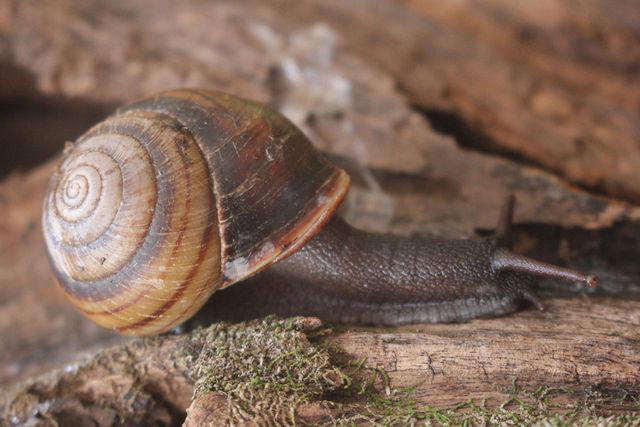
[[36, 125], [468, 137], [163, 401]]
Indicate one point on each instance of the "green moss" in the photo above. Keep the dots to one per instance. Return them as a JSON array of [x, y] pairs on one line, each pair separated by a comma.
[[266, 367], [269, 369], [384, 405]]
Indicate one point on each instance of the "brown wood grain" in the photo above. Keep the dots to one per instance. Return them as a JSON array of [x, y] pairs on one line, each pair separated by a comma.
[[579, 342], [577, 346], [556, 85]]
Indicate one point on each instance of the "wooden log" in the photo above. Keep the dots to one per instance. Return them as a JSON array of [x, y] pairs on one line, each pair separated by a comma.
[[268, 371], [580, 343]]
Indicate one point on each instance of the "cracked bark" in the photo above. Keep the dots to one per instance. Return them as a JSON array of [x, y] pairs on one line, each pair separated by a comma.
[[400, 116]]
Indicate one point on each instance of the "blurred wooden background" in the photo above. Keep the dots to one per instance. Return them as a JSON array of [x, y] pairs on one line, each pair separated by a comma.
[[437, 109]]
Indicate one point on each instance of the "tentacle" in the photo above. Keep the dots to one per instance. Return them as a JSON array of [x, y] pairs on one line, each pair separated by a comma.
[[504, 260], [503, 229]]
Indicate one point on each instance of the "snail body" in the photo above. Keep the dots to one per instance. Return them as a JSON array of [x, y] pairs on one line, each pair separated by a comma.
[[190, 191]]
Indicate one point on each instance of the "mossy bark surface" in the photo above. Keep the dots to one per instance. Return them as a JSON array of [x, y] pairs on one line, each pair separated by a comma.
[[291, 371]]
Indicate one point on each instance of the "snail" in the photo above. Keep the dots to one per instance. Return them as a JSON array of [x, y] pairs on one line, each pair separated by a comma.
[[189, 191]]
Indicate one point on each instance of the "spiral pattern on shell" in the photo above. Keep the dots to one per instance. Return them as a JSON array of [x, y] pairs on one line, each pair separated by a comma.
[[132, 226], [175, 196]]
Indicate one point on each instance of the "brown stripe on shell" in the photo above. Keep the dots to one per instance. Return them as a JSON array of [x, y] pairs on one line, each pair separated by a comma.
[[203, 247], [129, 318], [181, 231], [196, 300], [206, 239], [268, 179], [187, 313], [141, 127]]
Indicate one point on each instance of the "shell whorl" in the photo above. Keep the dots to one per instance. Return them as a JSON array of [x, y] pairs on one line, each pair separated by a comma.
[[131, 224], [178, 195]]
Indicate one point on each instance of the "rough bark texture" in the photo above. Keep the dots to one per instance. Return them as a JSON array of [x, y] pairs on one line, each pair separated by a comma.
[[437, 114]]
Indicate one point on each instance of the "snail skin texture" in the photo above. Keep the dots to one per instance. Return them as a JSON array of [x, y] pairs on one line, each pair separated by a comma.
[[190, 191]]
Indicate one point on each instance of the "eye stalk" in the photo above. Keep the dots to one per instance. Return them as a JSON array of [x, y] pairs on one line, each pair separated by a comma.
[[505, 260]]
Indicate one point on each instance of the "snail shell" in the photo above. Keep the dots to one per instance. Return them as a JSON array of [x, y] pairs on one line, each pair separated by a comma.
[[178, 195]]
